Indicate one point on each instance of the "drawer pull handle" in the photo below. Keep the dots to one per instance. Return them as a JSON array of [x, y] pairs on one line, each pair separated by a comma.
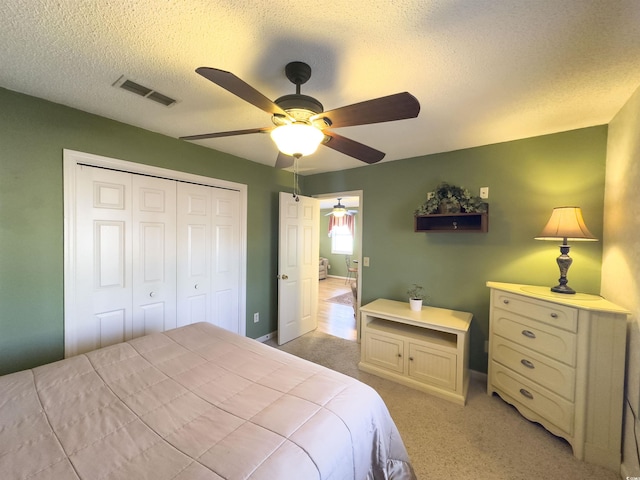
[[528, 334], [554, 315], [506, 302], [399, 355], [411, 359], [527, 363], [526, 393]]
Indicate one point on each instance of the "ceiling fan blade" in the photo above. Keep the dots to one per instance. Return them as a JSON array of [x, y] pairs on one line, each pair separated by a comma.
[[384, 109], [240, 88], [232, 133], [352, 148], [284, 161]]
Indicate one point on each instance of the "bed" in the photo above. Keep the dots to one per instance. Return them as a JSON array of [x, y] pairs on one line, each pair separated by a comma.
[[197, 402]]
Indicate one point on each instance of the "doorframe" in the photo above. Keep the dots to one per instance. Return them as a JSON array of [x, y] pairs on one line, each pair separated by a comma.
[[360, 195], [71, 159]]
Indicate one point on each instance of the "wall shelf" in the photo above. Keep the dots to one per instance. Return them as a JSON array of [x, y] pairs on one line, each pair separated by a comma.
[[453, 222]]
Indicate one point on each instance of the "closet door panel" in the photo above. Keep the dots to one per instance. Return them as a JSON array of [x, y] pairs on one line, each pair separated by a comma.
[[226, 258], [103, 259], [154, 255], [194, 254]]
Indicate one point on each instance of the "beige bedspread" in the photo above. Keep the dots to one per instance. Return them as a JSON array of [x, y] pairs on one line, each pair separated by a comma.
[[196, 403]]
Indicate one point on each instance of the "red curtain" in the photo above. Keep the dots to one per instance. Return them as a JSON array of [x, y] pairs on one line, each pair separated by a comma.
[[340, 221]]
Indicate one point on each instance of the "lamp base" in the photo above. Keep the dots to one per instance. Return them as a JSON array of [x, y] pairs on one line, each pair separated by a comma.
[[564, 262], [562, 289]]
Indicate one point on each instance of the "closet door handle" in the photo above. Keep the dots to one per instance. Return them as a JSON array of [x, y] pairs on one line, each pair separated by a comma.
[[196, 286], [528, 334], [152, 294]]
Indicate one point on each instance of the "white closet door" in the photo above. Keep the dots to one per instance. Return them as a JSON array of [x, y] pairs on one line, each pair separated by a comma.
[[154, 255], [226, 246], [103, 258], [194, 254]]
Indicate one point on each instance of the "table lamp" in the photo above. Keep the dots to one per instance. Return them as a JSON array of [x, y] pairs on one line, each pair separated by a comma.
[[566, 223]]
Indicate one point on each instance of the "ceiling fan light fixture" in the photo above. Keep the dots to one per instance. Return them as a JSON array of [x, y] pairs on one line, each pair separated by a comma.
[[297, 139], [339, 211]]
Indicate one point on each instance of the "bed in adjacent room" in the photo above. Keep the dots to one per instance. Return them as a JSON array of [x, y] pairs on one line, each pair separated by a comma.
[[197, 402]]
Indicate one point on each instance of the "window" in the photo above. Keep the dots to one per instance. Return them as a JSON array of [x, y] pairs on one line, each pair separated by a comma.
[[341, 240]]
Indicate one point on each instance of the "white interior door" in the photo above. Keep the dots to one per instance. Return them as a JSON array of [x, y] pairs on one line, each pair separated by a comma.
[[297, 266]]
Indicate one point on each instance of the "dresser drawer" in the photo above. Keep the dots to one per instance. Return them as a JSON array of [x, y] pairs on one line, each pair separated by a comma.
[[556, 376], [539, 337], [556, 315], [551, 407]]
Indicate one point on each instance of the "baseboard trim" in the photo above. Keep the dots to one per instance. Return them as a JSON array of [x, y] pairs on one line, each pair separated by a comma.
[[266, 337], [479, 375]]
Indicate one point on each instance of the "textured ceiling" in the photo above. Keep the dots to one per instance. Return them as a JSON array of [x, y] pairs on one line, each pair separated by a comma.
[[484, 71]]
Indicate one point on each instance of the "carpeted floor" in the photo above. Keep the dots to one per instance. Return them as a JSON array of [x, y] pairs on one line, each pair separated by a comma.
[[485, 440]]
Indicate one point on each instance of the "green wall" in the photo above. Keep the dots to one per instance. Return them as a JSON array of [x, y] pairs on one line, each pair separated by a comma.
[[337, 261], [526, 179], [33, 134]]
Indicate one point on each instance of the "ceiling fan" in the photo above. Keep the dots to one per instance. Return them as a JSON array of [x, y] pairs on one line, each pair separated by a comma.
[[300, 122], [340, 210]]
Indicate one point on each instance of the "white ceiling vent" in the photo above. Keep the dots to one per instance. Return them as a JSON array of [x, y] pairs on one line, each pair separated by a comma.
[[146, 92]]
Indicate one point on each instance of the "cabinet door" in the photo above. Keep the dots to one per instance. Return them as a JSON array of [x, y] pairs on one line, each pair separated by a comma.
[[384, 351], [432, 366]]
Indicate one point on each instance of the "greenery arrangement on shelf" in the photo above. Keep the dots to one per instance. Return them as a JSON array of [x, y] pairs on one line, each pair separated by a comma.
[[417, 292], [448, 198]]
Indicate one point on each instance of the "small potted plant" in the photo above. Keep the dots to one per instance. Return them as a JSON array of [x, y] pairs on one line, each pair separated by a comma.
[[416, 295]]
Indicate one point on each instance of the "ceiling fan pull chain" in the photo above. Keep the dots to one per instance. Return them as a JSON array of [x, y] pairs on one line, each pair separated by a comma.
[[296, 190]]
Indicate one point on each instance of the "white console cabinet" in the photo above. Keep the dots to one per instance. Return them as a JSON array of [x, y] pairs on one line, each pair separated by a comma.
[[427, 350], [559, 359]]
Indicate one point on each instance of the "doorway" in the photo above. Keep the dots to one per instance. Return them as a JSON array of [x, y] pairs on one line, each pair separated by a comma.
[[337, 316]]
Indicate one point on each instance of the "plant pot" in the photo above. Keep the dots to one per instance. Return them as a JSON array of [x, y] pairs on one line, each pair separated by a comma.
[[415, 304]]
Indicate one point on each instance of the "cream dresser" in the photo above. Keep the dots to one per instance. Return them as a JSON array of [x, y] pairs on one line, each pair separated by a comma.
[[559, 359]]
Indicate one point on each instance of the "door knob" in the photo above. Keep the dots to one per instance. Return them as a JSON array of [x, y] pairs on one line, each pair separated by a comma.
[[152, 294], [283, 277]]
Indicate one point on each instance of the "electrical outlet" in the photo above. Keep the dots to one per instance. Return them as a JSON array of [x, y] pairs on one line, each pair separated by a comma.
[[256, 317]]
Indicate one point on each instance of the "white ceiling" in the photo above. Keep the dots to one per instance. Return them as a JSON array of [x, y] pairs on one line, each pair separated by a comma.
[[484, 71]]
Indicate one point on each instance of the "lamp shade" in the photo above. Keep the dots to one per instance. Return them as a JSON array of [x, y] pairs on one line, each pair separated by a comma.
[[566, 223], [297, 139]]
